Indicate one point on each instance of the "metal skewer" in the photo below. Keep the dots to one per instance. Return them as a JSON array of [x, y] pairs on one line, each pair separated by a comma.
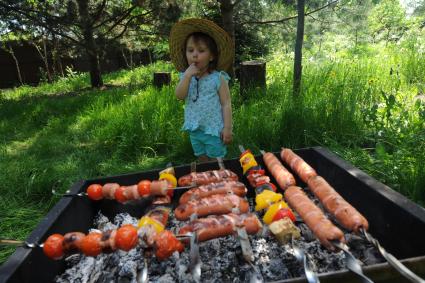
[[351, 262], [195, 259], [143, 276], [248, 255], [394, 262], [68, 194], [18, 243], [310, 274], [83, 194]]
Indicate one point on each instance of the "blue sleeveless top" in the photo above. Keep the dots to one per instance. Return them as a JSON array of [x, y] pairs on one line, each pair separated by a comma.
[[203, 109]]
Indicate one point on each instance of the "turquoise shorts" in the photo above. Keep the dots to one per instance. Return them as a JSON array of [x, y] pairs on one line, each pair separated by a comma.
[[205, 144]]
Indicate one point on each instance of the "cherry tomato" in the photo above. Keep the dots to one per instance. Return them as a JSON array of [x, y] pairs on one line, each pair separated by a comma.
[[282, 213], [120, 194], [166, 244], [53, 246], [144, 187], [95, 192], [126, 237], [91, 244]]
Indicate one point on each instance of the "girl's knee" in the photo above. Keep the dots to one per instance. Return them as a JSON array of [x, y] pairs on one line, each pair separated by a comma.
[[203, 158]]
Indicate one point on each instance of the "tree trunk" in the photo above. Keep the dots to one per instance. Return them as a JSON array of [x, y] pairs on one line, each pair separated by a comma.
[[298, 49], [57, 62], [90, 44], [125, 58], [17, 64], [226, 9], [161, 78], [43, 56], [253, 77]]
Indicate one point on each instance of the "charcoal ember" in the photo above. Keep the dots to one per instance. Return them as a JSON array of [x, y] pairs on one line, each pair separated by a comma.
[[268, 257], [322, 259], [165, 278], [102, 222], [128, 263], [125, 218], [89, 269], [222, 259], [306, 233], [371, 256], [72, 260], [363, 250]]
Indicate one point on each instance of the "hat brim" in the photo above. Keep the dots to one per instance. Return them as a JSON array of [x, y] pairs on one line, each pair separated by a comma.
[[181, 30]]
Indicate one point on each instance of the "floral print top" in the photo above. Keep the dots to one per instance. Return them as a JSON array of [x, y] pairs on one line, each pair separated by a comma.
[[202, 104]]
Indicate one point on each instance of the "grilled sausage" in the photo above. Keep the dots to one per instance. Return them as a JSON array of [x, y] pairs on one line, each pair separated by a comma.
[[215, 204], [283, 177], [216, 226], [297, 164], [336, 205], [321, 226], [220, 188], [203, 178]]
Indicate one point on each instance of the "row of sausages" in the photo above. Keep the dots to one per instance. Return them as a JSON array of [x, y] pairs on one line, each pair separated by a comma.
[[313, 216], [220, 197]]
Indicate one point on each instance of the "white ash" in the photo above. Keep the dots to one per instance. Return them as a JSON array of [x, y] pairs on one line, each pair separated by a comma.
[[222, 259]]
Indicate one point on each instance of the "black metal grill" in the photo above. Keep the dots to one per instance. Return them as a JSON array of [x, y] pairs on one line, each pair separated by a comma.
[[396, 222]]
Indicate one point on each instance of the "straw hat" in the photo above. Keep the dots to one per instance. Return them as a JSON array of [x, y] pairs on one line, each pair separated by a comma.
[[181, 31]]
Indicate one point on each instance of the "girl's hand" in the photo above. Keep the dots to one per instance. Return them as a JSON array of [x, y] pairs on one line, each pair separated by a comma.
[[192, 70], [226, 135]]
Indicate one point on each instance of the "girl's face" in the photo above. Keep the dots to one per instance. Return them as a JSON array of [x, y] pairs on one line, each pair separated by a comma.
[[198, 53]]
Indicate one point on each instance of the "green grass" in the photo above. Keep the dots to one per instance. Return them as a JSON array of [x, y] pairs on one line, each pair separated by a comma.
[[54, 135]]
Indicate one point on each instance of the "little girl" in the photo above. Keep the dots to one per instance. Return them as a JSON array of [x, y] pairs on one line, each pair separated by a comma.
[[201, 51]]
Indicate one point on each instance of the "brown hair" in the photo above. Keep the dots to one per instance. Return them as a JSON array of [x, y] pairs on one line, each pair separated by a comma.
[[209, 42]]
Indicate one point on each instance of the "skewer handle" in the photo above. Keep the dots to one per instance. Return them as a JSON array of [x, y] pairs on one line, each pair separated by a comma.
[[352, 263], [394, 262], [17, 243], [241, 148], [8, 242], [195, 259], [301, 256], [220, 163]]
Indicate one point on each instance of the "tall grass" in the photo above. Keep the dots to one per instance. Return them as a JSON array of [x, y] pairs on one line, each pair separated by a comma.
[[52, 135]]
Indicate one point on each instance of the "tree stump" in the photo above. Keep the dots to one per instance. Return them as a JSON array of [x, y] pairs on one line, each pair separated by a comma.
[[161, 78], [253, 77]]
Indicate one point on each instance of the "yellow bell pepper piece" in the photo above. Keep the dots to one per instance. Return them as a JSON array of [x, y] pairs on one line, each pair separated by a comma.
[[169, 177], [265, 199], [247, 161], [169, 170], [146, 220], [268, 217]]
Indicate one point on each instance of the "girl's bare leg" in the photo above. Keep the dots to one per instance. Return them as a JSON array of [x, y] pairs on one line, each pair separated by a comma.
[[203, 158]]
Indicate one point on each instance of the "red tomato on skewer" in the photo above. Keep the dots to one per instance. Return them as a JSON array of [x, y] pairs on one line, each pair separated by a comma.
[[144, 187], [95, 192], [120, 195], [53, 246], [282, 213], [166, 244], [126, 237]]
